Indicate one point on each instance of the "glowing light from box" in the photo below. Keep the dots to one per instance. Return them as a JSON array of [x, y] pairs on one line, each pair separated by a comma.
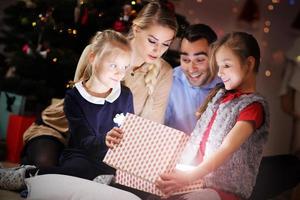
[[183, 167]]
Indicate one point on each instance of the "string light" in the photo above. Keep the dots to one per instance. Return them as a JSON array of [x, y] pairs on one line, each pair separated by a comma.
[[275, 1], [33, 24], [43, 19], [268, 23], [235, 10], [54, 60], [133, 2], [268, 73], [266, 30], [270, 7]]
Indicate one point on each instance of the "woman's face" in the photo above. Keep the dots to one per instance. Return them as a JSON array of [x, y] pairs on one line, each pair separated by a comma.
[[153, 42]]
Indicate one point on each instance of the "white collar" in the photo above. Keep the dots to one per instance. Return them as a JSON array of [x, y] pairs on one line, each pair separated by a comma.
[[115, 93]]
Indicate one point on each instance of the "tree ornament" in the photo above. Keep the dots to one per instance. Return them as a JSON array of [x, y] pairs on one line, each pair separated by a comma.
[[26, 49], [119, 26]]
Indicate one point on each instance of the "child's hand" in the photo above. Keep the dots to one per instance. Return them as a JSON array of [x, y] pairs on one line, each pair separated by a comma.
[[170, 183], [113, 137]]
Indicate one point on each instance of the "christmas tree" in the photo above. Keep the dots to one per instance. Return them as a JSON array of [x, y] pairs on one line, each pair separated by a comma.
[[43, 40]]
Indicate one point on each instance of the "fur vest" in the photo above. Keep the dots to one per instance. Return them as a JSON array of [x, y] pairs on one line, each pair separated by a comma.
[[238, 174]]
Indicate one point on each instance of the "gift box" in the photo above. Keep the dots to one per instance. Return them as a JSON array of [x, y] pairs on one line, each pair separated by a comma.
[[147, 150], [9, 104], [17, 125]]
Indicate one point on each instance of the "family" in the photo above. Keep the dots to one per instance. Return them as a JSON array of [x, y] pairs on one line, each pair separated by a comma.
[[211, 96]]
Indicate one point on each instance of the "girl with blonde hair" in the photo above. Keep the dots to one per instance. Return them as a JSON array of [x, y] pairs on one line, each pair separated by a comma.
[[90, 107]]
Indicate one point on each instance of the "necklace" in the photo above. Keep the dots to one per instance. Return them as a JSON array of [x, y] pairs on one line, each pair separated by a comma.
[[136, 68]]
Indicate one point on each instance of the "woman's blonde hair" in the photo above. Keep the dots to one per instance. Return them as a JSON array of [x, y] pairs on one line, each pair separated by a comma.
[[154, 13], [101, 44]]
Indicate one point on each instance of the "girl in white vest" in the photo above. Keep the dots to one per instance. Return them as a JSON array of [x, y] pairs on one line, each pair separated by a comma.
[[227, 143]]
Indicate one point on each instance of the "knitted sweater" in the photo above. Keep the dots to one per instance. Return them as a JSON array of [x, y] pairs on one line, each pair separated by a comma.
[[238, 174], [152, 107]]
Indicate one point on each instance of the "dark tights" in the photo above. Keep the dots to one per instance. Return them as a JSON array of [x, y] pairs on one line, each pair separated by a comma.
[[75, 166], [46, 153], [42, 151]]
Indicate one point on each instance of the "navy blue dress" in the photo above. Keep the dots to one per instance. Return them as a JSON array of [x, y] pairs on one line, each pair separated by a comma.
[[90, 118]]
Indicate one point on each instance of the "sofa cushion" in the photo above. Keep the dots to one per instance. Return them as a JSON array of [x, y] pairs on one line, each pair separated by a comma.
[[55, 186]]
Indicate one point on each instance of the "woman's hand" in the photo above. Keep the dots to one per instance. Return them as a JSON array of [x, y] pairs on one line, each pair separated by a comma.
[[170, 183], [113, 137]]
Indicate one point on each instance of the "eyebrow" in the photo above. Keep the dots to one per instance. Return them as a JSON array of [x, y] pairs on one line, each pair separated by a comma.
[[195, 54], [158, 39]]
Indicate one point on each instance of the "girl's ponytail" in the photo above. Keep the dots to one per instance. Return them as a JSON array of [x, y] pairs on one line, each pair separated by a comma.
[[209, 97]]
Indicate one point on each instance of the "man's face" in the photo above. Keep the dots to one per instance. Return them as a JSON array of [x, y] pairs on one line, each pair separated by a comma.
[[194, 61]]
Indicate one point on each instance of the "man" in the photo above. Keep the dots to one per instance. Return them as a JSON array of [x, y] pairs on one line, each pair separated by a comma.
[[192, 80]]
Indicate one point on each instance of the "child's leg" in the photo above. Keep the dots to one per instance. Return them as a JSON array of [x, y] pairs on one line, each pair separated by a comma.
[[42, 151]]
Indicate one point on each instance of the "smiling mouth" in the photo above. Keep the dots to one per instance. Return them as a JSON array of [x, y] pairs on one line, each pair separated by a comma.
[[152, 57], [196, 75]]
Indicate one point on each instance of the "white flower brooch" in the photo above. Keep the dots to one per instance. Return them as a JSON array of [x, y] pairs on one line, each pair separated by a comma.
[[119, 119]]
